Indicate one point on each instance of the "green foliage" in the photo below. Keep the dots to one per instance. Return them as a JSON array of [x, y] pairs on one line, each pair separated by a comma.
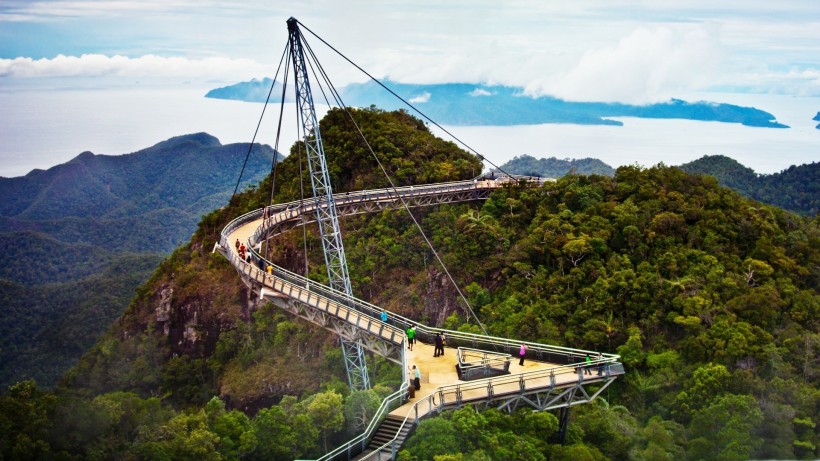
[[725, 429], [661, 440], [326, 414], [708, 383], [402, 143], [434, 436], [44, 327], [555, 168], [78, 239], [24, 413], [794, 188], [359, 408]]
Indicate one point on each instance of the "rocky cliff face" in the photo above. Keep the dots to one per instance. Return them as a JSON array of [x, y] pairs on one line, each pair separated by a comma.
[[196, 330]]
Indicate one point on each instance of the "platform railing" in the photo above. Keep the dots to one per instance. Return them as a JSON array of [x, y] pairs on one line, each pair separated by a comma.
[[477, 363], [456, 395]]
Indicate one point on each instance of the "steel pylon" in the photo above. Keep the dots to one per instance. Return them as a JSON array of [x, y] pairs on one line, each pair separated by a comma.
[[326, 215]]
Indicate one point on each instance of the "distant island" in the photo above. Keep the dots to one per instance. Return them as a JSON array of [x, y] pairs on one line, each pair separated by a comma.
[[552, 167], [470, 105]]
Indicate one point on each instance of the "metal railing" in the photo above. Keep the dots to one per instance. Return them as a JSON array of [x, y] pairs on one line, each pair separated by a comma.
[[456, 395], [477, 363]]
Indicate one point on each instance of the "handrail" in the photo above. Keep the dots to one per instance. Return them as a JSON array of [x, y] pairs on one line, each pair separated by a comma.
[[483, 358], [487, 385], [483, 355], [375, 421]]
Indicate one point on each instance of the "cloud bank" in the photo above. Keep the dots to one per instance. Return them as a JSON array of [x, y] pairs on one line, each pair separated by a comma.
[[98, 65], [648, 65]]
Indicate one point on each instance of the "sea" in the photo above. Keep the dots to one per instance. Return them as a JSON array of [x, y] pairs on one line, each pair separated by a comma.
[[45, 125]]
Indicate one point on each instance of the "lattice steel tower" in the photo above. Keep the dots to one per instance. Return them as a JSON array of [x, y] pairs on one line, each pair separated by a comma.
[[326, 216]]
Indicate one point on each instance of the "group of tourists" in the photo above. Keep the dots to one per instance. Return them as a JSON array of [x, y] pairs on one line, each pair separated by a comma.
[[440, 341], [245, 255], [240, 248]]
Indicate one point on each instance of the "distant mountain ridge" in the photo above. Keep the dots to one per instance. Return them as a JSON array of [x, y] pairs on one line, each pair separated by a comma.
[[796, 188], [472, 104], [79, 238]]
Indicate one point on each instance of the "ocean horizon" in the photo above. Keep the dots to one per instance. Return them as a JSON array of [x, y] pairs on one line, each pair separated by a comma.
[[44, 127]]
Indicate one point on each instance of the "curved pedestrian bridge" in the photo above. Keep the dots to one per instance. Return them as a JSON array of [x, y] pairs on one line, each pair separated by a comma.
[[551, 377]]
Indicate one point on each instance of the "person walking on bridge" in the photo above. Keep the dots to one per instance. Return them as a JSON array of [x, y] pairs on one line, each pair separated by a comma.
[[411, 337], [522, 351]]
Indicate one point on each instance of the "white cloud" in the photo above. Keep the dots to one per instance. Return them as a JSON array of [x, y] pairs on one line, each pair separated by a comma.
[[97, 65], [646, 66], [480, 92], [797, 82], [49, 10], [424, 97]]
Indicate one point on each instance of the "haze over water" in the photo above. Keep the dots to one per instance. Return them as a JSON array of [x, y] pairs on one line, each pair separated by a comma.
[[46, 128]]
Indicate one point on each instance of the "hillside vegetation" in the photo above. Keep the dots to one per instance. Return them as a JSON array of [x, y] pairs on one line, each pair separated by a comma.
[[796, 189], [79, 238], [709, 297]]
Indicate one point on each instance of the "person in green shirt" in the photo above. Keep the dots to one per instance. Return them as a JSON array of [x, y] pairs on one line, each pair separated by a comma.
[[411, 336]]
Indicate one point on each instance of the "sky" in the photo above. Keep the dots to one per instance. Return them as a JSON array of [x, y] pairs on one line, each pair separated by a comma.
[[584, 50]]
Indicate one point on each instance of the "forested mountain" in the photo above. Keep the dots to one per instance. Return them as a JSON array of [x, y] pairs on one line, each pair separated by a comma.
[[709, 297], [79, 238], [796, 188], [555, 168]]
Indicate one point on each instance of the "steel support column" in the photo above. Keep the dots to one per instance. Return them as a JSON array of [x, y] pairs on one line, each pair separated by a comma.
[[325, 207]]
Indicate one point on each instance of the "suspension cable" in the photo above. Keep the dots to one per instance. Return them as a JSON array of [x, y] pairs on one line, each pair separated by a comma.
[[258, 124], [276, 144], [302, 200], [404, 100], [279, 128], [393, 187]]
